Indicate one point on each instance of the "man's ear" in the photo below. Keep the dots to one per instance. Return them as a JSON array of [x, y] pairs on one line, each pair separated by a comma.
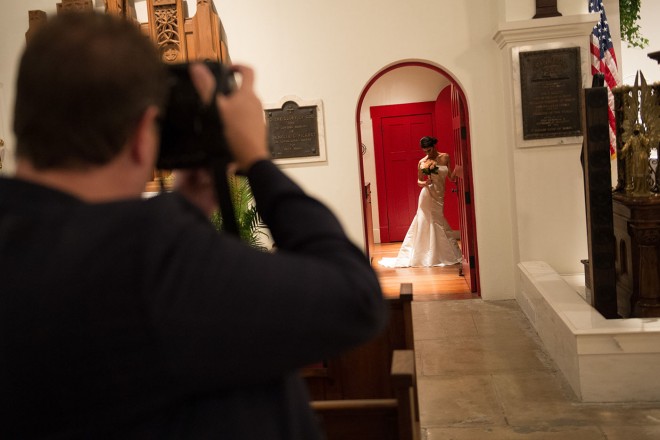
[[144, 142]]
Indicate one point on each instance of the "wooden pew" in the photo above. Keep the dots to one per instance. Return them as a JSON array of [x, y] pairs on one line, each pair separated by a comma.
[[363, 372], [370, 392], [378, 418]]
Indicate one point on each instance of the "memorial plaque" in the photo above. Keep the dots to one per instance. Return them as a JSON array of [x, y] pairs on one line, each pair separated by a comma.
[[550, 82], [293, 131]]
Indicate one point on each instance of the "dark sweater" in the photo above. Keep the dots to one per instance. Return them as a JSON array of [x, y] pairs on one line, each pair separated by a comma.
[[136, 319]]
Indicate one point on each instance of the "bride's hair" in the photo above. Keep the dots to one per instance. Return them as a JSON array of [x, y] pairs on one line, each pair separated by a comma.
[[427, 141]]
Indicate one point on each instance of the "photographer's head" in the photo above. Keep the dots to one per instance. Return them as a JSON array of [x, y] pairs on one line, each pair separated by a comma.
[[86, 83]]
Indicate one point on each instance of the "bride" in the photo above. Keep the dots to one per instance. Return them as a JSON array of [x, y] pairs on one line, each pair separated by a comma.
[[427, 242]]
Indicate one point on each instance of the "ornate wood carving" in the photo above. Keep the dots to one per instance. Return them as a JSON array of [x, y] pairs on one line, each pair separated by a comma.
[[637, 114], [122, 8], [179, 39], [637, 231], [115, 7], [206, 31], [75, 5], [166, 22], [35, 19]]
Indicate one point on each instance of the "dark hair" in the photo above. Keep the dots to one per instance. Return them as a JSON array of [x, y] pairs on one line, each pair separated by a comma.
[[427, 141], [84, 82]]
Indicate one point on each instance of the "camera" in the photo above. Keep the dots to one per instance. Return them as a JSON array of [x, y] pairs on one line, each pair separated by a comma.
[[191, 132]]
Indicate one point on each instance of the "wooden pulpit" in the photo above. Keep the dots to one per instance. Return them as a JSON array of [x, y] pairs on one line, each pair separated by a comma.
[[178, 38]]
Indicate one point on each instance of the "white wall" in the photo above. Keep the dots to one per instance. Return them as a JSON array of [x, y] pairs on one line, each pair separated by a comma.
[[549, 196], [329, 50], [14, 23], [634, 59]]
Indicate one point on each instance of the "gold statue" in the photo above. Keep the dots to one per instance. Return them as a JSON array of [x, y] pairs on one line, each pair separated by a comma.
[[640, 133], [637, 152]]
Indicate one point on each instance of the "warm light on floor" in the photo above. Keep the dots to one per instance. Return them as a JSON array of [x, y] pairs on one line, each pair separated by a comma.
[[429, 283]]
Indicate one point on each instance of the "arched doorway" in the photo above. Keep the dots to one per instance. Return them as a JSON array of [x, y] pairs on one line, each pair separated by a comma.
[[444, 114]]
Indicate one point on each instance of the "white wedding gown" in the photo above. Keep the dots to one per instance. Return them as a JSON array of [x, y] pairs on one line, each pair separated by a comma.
[[427, 242]]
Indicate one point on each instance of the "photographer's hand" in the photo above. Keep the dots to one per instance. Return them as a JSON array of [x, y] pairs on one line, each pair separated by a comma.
[[245, 132], [241, 113]]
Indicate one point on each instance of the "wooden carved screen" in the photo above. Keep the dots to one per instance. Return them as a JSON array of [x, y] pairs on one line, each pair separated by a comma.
[[178, 38]]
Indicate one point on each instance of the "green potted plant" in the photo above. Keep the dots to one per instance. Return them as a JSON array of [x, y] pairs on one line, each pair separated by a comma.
[[250, 225]]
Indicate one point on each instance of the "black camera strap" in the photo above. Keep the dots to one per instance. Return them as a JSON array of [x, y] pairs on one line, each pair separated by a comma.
[[215, 145], [192, 134], [223, 193]]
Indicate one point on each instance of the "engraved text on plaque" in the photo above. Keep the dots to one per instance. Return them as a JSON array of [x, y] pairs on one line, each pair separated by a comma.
[[550, 82], [293, 131]]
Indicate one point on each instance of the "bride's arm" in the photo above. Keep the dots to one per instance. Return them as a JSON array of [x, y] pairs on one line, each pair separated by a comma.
[[420, 176], [456, 172], [452, 174]]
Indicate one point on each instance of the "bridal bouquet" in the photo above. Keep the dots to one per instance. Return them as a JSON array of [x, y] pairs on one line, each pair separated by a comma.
[[429, 167]]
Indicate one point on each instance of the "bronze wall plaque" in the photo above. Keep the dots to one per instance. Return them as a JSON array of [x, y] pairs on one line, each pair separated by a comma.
[[293, 131], [550, 82]]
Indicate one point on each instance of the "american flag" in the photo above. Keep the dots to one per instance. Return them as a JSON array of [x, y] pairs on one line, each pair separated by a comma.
[[603, 60]]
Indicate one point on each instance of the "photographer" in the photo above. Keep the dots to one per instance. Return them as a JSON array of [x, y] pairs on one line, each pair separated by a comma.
[[131, 319]]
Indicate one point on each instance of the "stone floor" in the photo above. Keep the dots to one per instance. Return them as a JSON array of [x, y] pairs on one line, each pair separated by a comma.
[[483, 374]]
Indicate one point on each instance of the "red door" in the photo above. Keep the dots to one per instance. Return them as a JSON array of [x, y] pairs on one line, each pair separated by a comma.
[[464, 187], [446, 145], [397, 131]]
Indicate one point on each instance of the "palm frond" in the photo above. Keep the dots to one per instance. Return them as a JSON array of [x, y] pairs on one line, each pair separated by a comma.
[[250, 224]]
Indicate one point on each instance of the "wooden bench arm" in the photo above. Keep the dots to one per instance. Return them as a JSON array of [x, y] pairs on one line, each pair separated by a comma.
[[347, 404], [405, 391]]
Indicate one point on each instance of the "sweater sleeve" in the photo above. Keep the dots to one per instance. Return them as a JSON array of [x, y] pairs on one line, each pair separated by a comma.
[[293, 218], [231, 313]]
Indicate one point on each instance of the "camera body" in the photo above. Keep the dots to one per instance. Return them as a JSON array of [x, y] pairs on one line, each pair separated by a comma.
[[191, 133]]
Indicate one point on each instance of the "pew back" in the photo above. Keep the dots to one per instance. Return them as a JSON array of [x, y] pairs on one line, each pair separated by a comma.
[[370, 392], [377, 419], [363, 372]]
